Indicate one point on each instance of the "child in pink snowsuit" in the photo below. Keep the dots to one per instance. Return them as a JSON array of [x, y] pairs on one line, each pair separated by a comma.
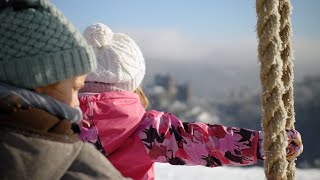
[[116, 121]]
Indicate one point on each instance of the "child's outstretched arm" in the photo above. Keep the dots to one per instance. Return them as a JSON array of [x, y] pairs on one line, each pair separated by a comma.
[[167, 139], [293, 150]]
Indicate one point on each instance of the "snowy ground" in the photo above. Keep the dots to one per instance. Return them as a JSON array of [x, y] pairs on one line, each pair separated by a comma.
[[168, 172]]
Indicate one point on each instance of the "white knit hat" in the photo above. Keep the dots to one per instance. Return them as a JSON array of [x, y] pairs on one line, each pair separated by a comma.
[[121, 66]]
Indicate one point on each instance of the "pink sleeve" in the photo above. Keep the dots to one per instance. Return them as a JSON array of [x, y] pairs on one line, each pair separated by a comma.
[[167, 139]]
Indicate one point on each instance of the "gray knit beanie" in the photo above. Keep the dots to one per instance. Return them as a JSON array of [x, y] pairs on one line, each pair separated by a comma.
[[39, 46]]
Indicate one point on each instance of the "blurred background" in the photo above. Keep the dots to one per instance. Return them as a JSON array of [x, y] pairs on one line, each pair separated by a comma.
[[202, 60]]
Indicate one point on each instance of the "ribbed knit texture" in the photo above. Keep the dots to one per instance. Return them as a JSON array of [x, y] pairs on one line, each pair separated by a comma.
[[121, 65], [39, 46], [101, 87]]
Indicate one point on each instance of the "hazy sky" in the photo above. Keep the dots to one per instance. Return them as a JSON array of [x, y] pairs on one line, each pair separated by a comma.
[[219, 31]]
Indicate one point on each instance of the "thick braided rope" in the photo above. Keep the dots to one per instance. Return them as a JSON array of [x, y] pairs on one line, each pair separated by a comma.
[[273, 109], [285, 10]]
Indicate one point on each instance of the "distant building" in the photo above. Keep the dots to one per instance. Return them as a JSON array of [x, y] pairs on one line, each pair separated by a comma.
[[165, 95], [184, 93], [167, 82]]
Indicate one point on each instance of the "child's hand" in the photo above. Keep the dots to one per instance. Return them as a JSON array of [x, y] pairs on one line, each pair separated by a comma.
[[88, 132], [294, 148]]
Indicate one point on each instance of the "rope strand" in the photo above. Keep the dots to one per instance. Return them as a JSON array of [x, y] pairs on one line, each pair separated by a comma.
[[285, 10], [276, 75]]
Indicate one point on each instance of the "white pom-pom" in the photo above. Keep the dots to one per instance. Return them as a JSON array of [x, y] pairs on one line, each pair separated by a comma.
[[98, 35]]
